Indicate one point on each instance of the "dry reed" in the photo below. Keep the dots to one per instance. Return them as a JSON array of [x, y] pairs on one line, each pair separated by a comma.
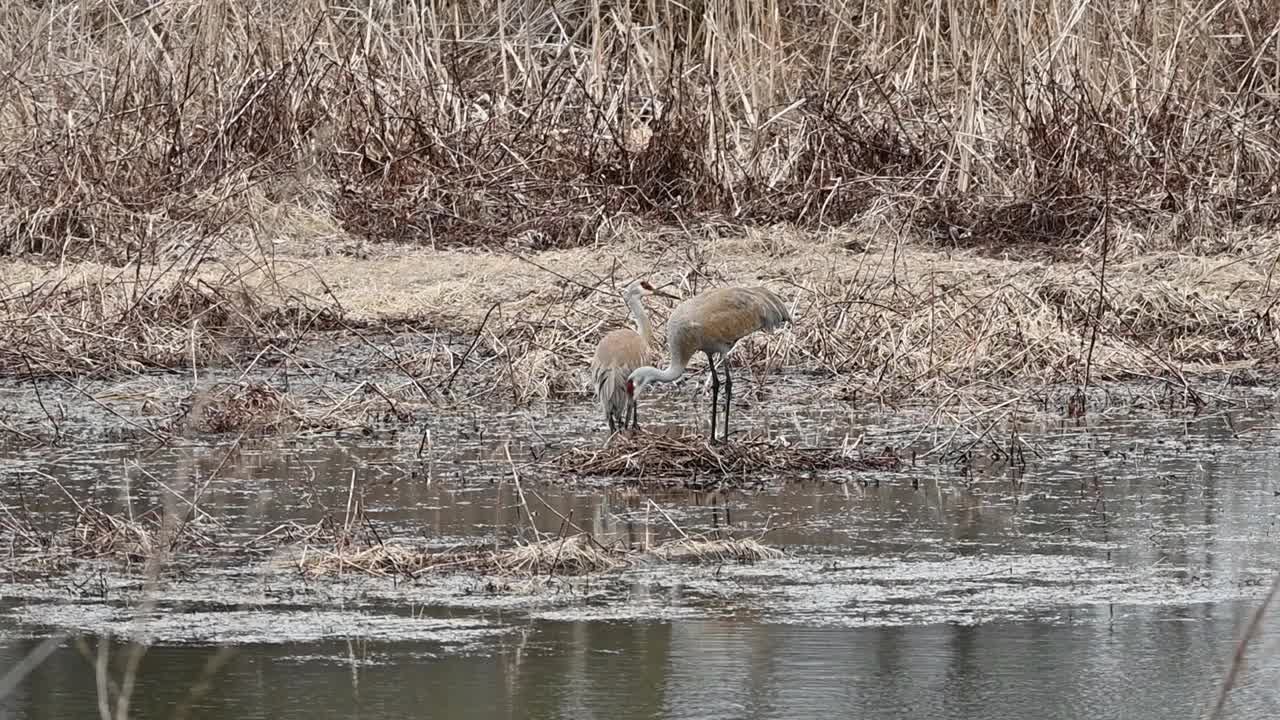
[[535, 125]]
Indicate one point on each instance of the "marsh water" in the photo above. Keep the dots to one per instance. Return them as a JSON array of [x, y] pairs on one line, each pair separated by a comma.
[[1107, 573]]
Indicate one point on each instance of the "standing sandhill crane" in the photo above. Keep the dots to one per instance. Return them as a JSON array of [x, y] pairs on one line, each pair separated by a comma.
[[620, 352], [712, 322]]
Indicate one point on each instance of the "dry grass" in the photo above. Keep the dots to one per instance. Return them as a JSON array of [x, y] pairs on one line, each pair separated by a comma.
[[90, 319], [150, 537], [878, 319], [131, 132], [717, 550], [565, 556], [981, 161], [660, 457]]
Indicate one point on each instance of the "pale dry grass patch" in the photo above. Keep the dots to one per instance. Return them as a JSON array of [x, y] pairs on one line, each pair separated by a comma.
[[890, 317], [574, 555], [90, 318], [717, 550]]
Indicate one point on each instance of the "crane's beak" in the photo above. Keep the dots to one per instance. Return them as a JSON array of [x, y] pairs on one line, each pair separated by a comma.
[[655, 291]]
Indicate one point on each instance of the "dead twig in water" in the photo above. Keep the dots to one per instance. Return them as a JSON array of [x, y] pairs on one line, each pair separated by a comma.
[[524, 504], [679, 529], [86, 395], [35, 385], [1237, 660], [462, 361]]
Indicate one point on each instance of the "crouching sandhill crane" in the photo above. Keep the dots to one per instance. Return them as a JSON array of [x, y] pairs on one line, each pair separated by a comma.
[[620, 352], [712, 322]]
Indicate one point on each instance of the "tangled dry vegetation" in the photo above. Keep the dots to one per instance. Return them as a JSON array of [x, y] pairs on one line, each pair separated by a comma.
[[1026, 194], [671, 459], [149, 540], [96, 320], [541, 123], [889, 321]]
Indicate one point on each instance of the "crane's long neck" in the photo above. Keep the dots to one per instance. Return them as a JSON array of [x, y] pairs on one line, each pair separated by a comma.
[[653, 374], [642, 319], [673, 371]]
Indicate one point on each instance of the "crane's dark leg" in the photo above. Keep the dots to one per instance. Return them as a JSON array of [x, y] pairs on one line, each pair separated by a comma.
[[728, 393], [633, 407], [613, 426], [715, 393]]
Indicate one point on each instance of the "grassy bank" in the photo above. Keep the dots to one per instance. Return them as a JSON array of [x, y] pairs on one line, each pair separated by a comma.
[[947, 192], [874, 318]]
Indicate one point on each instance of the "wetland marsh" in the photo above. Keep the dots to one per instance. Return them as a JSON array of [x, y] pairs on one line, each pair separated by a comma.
[[1123, 551], [296, 299]]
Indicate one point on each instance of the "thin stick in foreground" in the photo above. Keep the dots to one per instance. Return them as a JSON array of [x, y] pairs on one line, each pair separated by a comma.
[[515, 477], [1237, 659]]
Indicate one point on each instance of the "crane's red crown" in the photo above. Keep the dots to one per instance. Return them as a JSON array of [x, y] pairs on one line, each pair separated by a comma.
[[631, 388]]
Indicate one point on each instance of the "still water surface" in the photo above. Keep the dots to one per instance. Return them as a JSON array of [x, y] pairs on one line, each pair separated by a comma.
[[1107, 579], [1134, 663]]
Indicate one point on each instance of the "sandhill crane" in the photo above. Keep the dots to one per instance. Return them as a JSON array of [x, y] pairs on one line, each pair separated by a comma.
[[620, 352], [712, 322]]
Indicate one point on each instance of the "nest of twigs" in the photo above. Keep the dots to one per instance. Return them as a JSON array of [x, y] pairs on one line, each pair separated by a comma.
[[647, 455]]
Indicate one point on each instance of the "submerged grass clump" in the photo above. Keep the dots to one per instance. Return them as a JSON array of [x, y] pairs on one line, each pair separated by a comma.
[[353, 544], [569, 555], [642, 455], [151, 536], [149, 539], [259, 408], [717, 550], [573, 555], [323, 554]]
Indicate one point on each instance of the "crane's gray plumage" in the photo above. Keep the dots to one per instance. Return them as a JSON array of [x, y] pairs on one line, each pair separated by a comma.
[[712, 323]]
